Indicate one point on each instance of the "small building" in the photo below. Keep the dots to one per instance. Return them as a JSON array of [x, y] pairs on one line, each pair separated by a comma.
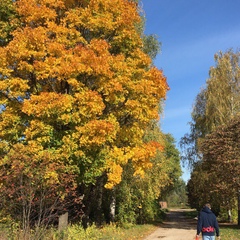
[[163, 204]]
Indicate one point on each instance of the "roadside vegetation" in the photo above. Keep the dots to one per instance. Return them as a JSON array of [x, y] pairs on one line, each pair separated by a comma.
[[77, 232], [230, 232]]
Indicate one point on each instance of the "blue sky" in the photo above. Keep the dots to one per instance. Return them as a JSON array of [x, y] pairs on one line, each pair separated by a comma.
[[191, 32]]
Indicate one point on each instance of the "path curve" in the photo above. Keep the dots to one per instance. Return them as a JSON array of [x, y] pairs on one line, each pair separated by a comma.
[[176, 227]]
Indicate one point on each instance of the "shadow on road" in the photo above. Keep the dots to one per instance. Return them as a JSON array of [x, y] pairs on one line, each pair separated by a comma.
[[177, 218]]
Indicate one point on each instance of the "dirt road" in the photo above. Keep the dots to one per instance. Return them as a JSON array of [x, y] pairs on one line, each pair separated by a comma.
[[176, 227]]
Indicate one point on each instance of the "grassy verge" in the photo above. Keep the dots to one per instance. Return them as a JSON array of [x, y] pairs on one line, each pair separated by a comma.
[[133, 233], [229, 232], [76, 232]]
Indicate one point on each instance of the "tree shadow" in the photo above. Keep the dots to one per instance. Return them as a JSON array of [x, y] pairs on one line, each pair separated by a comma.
[[178, 219], [187, 219]]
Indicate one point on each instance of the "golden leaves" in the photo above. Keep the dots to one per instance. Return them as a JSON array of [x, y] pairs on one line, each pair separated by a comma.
[[39, 131], [115, 159], [159, 86], [97, 132], [28, 43], [35, 12], [114, 175], [48, 105], [88, 105], [10, 124], [83, 83], [14, 87], [103, 14]]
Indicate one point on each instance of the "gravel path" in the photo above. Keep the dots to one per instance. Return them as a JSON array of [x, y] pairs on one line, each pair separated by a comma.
[[175, 227]]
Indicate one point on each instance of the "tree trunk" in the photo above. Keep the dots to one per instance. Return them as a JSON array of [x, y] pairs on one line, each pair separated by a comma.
[[99, 198], [229, 216], [113, 207]]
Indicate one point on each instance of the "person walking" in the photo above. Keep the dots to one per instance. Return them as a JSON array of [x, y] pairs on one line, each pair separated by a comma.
[[207, 224]]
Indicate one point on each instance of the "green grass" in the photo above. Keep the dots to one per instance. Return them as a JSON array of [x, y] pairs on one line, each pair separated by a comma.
[[134, 233], [110, 232], [76, 232], [229, 232]]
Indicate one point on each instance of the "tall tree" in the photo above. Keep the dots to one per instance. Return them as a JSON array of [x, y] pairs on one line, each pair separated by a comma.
[[189, 142], [223, 89], [216, 104], [75, 80]]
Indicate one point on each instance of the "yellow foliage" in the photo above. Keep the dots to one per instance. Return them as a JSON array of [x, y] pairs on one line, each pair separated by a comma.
[[142, 156], [27, 9], [51, 177], [114, 175], [47, 104], [97, 132], [38, 130], [75, 78], [9, 124]]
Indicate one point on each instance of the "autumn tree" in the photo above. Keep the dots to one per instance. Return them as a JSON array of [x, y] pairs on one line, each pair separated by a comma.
[[216, 104], [199, 188], [138, 198], [36, 186], [215, 107], [221, 156], [75, 80], [223, 89]]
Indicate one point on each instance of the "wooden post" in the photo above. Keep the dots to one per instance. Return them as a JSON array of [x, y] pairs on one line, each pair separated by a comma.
[[63, 222]]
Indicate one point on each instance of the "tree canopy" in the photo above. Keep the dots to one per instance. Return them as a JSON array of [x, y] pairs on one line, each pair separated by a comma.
[[75, 78], [77, 82], [216, 104]]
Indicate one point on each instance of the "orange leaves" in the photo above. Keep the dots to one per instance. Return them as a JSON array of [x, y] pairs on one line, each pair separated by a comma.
[[83, 84], [37, 12], [95, 58], [27, 43], [97, 132], [48, 104], [159, 86], [88, 105], [147, 92], [142, 156]]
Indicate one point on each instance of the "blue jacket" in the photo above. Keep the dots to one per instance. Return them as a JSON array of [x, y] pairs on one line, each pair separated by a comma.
[[207, 223]]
